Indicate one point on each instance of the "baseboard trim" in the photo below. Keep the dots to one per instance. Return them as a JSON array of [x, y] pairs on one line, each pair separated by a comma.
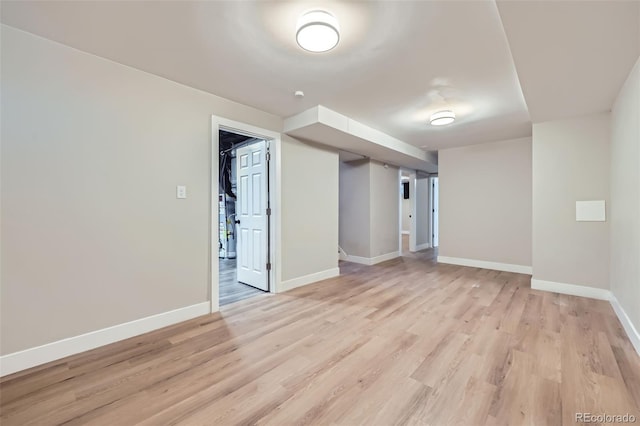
[[385, 257], [342, 255], [18, 361], [506, 267], [423, 246], [358, 259], [632, 332], [308, 279], [571, 289], [373, 260]]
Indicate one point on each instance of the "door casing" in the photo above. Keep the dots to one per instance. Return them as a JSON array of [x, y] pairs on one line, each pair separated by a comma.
[[275, 185]]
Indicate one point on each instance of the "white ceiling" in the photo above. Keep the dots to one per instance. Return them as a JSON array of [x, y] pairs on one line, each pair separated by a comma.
[[394, 62], [572, 57], [397, 61]]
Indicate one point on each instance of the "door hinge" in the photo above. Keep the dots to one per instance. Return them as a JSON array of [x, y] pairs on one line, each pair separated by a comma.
[[268, 266], [268, 156], [268, 211]]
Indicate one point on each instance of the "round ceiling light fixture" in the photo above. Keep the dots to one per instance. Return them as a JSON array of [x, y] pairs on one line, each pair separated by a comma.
[[317, 31], [441, 118]]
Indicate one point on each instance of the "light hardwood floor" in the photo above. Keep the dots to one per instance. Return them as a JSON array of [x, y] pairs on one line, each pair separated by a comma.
[[403, 342]]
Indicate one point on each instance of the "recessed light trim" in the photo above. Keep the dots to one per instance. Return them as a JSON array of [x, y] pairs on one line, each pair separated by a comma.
[[442, 118], [317, 31]]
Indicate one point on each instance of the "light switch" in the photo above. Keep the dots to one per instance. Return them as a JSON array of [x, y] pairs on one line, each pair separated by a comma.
[[181, 191]]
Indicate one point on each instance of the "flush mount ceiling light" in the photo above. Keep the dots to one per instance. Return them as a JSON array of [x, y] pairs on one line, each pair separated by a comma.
[[441, 118], [317, 31]]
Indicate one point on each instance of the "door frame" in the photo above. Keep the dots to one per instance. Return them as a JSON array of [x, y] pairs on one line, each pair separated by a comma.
[[432, 202], [274, 143]]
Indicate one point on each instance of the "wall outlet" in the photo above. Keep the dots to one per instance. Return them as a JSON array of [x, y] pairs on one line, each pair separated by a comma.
[[181, 191]]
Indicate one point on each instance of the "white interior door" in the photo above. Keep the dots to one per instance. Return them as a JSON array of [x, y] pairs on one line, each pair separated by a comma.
[[434, 191], [251, 211]]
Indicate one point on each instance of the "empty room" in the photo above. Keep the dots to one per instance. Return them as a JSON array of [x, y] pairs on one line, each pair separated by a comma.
[[319, 212]]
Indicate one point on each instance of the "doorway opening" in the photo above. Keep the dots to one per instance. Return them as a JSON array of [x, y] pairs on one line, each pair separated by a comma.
[[406, 211], [244, 213]]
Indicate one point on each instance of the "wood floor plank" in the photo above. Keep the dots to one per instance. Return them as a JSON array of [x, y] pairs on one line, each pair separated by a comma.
[[628, 365], [407, 341]]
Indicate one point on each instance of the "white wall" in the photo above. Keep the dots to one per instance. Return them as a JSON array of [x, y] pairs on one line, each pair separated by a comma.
[[92, 151], [369, 214], [423, 225], [485, 202], [354, 202], [570, 163], [384, 209], [309, 210], [624, 211]]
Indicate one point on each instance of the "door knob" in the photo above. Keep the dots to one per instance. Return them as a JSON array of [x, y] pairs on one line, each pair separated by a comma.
[[238, 221]]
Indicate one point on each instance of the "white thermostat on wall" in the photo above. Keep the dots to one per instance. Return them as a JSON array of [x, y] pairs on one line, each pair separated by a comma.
[[590, 211], [181, 191]]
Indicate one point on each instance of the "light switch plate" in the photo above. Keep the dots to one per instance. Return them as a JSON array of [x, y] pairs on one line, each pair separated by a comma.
[[590, 211], [181, 191]]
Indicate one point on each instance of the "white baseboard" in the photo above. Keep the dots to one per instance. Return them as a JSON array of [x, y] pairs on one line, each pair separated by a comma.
[[628, 326], [358, 259], [571, 289], [373, 260], [406, 232], [28, 358], [342, 255], [385, 257], [506, 267], [423, 246], [308, 279]]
